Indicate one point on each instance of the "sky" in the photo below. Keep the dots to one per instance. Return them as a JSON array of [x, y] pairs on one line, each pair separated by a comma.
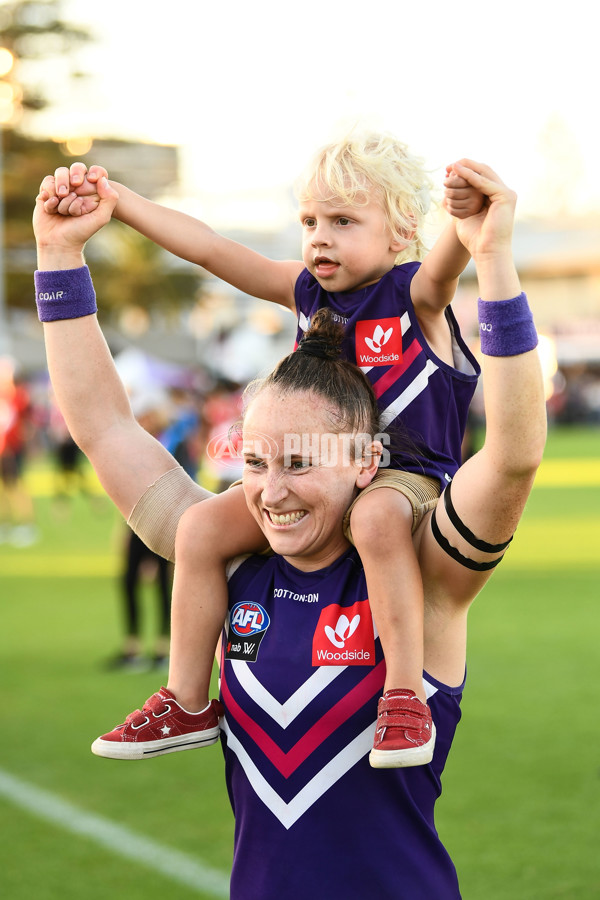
[[250, 90]]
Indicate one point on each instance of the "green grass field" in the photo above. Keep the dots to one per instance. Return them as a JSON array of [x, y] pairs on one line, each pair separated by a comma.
[[520, 812]]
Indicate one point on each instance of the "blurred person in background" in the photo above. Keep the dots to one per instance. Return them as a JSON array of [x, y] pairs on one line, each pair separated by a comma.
[[182, 436], [71, 471], [222, 464], [140, 564], [17, 512]]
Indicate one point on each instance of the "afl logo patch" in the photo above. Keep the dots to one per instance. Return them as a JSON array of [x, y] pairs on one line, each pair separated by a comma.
[[248, 623], [248, 619]]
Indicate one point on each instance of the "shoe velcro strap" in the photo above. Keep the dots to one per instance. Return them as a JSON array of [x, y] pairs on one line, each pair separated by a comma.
[[406, 721], [401, 704], [155, 704]]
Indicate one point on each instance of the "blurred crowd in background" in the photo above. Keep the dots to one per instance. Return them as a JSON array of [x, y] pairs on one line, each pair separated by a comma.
[[191, 411], [194, 410]]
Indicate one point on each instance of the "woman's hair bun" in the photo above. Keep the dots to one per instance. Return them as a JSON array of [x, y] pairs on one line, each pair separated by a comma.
[[318, 367], [324, 337]]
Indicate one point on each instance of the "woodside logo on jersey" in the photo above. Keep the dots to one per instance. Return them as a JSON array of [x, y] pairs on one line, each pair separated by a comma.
[[344, 636], [378, 342]]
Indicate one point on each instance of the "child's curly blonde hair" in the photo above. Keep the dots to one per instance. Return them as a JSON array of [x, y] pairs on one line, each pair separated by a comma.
[[360, 166]]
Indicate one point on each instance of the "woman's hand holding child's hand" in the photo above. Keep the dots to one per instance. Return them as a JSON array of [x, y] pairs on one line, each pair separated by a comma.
[[72, 191]]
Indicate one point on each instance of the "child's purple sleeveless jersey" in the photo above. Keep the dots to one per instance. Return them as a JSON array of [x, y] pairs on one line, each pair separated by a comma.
[[428, 397], [300, 679]]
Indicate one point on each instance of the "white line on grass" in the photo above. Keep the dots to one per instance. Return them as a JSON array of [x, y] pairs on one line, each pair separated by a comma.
[[117, 838]]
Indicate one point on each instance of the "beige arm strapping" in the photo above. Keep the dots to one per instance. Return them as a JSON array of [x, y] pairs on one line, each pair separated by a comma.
[[156, 515]]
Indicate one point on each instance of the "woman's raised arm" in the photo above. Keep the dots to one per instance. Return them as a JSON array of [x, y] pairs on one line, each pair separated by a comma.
[[88, 389], [479, 512]]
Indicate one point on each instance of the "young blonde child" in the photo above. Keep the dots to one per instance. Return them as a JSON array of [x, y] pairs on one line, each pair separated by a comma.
[[362, 205]]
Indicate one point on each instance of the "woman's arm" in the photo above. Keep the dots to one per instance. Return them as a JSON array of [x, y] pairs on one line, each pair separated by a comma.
[[87, 387], [490, 490]]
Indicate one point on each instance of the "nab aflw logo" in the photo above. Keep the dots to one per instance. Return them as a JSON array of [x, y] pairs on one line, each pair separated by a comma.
[[344, 636], [378, 342]]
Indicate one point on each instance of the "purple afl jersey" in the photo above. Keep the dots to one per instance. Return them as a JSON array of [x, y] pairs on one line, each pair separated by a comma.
[[301, 673], [422, 399]]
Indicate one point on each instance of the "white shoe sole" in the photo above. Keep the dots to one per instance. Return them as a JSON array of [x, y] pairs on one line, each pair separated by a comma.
[[403, 759], [148, 749]]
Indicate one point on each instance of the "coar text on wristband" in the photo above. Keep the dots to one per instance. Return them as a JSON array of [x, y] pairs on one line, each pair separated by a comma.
[[64, 294]]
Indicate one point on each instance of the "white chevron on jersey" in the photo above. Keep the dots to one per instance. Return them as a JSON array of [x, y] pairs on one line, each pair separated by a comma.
[[284, 713], [288, 813], [303, 322], [336, 768]]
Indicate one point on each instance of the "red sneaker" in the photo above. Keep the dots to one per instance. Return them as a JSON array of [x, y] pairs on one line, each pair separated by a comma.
[[161, 726], [405, 733]]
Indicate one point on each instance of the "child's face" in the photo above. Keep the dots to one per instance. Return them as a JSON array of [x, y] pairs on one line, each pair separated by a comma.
[[346, 247]]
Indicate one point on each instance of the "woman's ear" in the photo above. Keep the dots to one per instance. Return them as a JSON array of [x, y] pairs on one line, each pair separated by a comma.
[[369, 463]]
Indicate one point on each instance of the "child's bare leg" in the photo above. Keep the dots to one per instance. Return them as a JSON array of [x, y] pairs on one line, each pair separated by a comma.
[[209, 535], [180, 717], [381, 525]]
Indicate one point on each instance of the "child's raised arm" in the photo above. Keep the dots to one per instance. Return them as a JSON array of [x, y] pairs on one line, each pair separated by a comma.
[[72, 192], [434, 285]]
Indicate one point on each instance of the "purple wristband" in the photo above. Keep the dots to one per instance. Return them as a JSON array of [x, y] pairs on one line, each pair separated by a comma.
[[64, 294], [506, 327]]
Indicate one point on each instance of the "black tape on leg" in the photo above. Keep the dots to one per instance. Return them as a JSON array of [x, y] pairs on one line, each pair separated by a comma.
[[456, 554], [466, 533]]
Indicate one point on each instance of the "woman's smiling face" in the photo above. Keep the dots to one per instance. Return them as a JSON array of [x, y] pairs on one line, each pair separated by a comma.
[[299, 477]]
